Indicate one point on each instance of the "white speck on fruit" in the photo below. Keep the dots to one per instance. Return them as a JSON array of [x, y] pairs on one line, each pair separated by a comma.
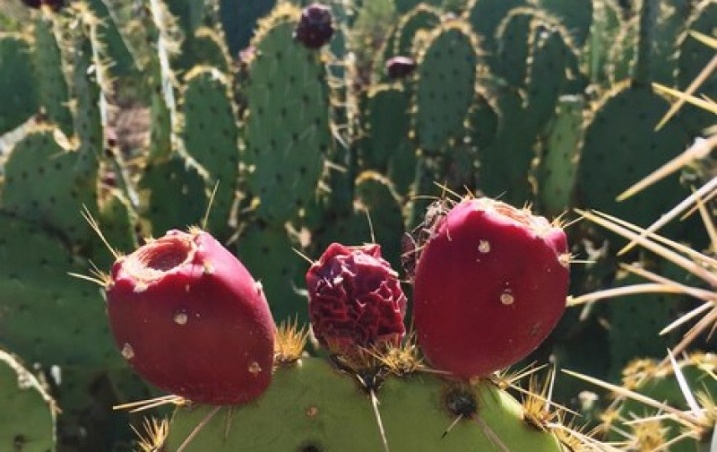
[[254, 368], [507, 298], [208, 268], [258, 287], [180, 318], [484, 246], [127, 351], [187, 288]]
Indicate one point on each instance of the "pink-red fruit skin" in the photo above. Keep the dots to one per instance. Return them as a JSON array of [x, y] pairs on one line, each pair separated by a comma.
[[355, 299], [190, 319], [490, 285]]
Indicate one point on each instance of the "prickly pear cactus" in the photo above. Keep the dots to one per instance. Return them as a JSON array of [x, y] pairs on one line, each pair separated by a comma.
[[620, 147], [17, 87], [377, 196], [208, 112], [604, 29], [270, 252], [239, 20], [311, 401], [693, 57], [36, 290], [659, 381], [513, 45], [52, 89], [180, 180], [287, 124], [485, 17], [66, 186], [386, 146], [445, 85], [27, 412], [559, 158], [421, 19], [574, 16]]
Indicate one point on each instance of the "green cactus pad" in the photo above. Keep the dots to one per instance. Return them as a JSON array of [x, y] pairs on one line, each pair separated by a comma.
[[549, 55], [405, 6], [27, 412], [605, 27], [205, 47], [17, 83], [378, 199], [422, 18], [622, 61], [160, 143], [694, 56], [118, 223], [635, 325], [384, 52], [53, 95], [621, 147], [559, 159], [43, 307], [239, 20], [673, 19], [574, 16], [269, 253], [514, 41], [486, 15], [445, 85], [174, 194], [483, 121], [42, 184], [505, 164], [211, 137], [189, 14], [321, 409], [287, 128], [86, 89], [386, 147], [648, 378]]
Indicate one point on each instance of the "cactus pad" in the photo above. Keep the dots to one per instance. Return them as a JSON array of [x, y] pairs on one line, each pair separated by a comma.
[[27, 413]]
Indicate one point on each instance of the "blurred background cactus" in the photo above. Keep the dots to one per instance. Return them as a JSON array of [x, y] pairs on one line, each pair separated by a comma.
[[147, 115]]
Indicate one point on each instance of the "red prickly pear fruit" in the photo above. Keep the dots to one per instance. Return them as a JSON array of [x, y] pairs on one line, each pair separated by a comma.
[[190, 319], [400, 67], [315, 26], [490, 285], [355, 300]]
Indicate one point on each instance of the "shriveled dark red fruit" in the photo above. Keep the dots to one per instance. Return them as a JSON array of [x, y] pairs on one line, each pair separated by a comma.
[[400, 67], [190, 319], [490, 285], [355, 299], [315, 26]]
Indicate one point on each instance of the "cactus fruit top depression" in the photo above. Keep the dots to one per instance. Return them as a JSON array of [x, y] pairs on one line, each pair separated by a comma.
[[190, 319], [490, 285]]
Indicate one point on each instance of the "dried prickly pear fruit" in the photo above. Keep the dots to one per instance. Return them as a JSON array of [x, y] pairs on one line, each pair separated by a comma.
[[400, 67], [355, 299], [190, 319], [315, 27], [490, 285]]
